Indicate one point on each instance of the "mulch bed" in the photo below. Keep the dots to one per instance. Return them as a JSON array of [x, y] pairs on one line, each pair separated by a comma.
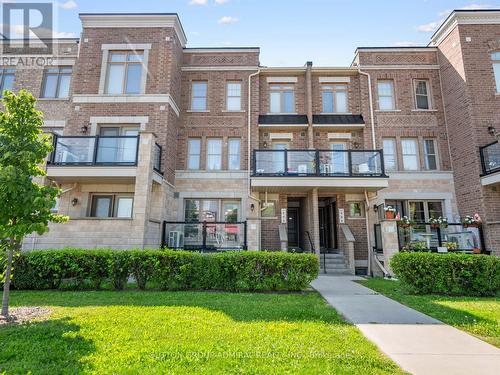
[[21, 315]]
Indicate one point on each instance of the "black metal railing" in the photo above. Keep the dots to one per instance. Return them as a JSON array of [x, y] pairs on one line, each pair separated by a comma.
[[157, 158], [204, 236], [318, 163], [490, 158], [426, 237], [95, 150]]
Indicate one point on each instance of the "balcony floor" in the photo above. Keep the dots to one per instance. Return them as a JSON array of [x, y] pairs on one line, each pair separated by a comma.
[[90, 174], [340, 184]]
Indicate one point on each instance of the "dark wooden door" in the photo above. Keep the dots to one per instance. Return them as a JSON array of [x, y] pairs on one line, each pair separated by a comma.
[[293, 227]]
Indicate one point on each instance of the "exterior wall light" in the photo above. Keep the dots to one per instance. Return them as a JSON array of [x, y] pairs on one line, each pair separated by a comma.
[[74, 202]]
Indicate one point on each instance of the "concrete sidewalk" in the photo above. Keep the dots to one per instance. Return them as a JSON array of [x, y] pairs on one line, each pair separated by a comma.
[[418, 343]]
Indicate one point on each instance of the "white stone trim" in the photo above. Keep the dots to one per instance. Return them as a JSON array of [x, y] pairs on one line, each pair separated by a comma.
[[64, 62], [133, 21], [124, 46], [220, 50], [400, 67], [280, 136], [92, 171], [334, 79], [491, 179], [464, 18], [144, 98], [202, 174], [96, 120], [421, 175], [217, 68], [401, 49], [281, 79], [339, 135]]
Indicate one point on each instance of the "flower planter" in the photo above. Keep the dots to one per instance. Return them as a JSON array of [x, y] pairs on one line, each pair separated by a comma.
[[390, 215], [476, 250], [471, 225], [435, 226]]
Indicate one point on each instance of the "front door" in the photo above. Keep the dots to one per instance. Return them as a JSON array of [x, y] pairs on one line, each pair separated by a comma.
[[293, 227], [323, 227]]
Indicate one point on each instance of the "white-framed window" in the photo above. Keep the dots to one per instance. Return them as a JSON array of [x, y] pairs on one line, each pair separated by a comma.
[[112, 205], [7, 77], [194, 153], [199, 91], [495, 58], [233, 96], [269, 209], [199, 210], [56, 82], [124, 72], [356, 210], [233, 154], [281, 99], [430, 155], [335, 98], [390, 155], [422, 211], [422, 94], [214, 154], [385, 89], [409, 148]]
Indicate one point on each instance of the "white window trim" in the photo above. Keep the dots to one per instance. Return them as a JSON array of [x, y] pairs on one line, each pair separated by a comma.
[[429, 96], [436, 154], [394, 104], [417, 150], [334, 90], [227, 96], [191, 109], [395, 150], [95, 121], [107, 48]]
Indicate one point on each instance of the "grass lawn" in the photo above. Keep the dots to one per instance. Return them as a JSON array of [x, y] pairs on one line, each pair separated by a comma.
[[186, 332], [479, 316]]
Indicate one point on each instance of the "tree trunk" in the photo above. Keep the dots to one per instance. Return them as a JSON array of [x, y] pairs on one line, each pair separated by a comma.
[[6, 286]]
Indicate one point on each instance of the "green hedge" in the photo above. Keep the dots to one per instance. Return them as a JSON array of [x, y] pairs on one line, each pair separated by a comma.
[[164, 269], [450, 274]]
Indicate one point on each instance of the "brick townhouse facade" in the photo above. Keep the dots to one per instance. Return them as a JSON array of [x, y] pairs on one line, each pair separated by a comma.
[[204, 147]]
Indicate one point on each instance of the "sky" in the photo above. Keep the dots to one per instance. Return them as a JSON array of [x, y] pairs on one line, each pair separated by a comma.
[[289, 32]]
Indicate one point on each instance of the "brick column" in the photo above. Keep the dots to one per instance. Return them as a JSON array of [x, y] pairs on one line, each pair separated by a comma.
[[314, 218], [309, 101]]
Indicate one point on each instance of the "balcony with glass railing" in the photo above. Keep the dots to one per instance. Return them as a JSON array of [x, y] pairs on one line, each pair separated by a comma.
[[490, 161], [318, 163], [319, 168]]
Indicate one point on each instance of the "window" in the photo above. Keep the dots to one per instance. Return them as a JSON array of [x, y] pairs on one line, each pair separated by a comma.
[[422, 100], [495, 57], [56, 82], [430, 155], [233, 162], [386, 95], [214, 154], [390, 159], [6, 79], [124, 74], [233, 96], [194, 153], [199, 210], [282, 99], [268, 209], [422, 211], [199, 96], [112, 205], [334, 99], [410, 154], [356, 209]]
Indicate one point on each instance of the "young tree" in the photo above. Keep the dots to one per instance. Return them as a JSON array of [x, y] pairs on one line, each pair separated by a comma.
[[25, 205]]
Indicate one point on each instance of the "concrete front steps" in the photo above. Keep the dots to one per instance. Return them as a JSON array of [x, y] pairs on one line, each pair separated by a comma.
[[335, 264]]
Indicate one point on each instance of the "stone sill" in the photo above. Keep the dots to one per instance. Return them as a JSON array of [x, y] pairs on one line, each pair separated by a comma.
[[196, 111], [424, 110], [102, 218], [53, 99], [387, 110]]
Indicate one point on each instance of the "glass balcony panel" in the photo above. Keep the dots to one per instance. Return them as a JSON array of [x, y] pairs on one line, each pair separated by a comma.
[[77, 150], [366, 163], [117, 150], [270, 162], [301, 162], [334, 163]]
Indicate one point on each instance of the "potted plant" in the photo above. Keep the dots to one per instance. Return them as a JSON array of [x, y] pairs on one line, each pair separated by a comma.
[[472, 221], [419, 246], [390, 212], [451, 246], [440, 222], [406, 222]]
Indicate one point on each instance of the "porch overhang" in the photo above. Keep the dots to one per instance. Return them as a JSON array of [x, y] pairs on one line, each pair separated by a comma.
[[351, 184], [491, 179]]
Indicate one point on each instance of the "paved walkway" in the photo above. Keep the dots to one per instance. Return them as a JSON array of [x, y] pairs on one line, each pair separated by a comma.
[[418, 343]]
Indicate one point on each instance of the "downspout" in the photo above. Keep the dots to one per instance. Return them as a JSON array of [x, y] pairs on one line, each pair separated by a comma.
[[370, 99], [368, 239]]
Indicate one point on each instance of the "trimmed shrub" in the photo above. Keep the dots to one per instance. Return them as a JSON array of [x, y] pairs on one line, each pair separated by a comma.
[[449, 274], [166, 269]]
